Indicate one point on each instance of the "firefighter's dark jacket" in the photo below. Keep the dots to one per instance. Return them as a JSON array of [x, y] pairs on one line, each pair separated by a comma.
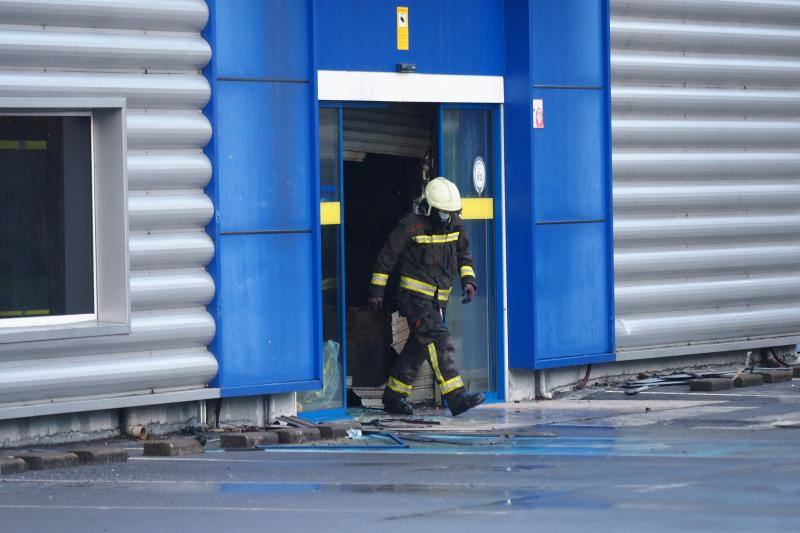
[[429, 259]]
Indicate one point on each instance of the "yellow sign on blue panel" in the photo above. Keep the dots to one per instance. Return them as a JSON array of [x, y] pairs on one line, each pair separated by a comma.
[[402, 28]]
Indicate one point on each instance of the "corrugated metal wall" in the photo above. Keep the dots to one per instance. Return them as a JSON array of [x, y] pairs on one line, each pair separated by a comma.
[[706, 109], [152, 53]]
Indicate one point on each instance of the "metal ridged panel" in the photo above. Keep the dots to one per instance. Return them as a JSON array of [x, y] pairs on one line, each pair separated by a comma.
[[706, 102], [22, 381], [22, 46], [170, 15], [165, 289], [154, 91], [148, 210], [164, 169], [151, 53], [150, 330], [170, 250]]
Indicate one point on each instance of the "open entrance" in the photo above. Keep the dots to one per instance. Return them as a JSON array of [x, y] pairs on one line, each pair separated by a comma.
[[374, 161], [385, 154]]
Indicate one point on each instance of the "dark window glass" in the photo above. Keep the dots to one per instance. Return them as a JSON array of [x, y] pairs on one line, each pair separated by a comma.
[[46, 244]]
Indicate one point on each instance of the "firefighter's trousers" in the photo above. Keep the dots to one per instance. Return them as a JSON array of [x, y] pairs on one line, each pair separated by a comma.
[[429, 339]]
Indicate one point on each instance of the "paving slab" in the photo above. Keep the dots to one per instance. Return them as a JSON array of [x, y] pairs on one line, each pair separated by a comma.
[[100, 455], [711, 384], [336, 430], [172, 447], [775, 376], [297, 435], [248, 440], [748, 380], [12, 465], [47, 459]]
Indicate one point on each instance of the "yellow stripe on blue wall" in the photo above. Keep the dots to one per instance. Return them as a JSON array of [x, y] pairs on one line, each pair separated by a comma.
[[477, 208], [330, 213]]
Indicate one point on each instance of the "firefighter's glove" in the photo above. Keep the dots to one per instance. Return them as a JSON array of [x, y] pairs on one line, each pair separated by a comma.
[[468, 292], [375, 302]]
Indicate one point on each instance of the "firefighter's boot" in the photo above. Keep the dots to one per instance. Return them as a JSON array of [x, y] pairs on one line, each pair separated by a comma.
[[462, 401], [396, 404]]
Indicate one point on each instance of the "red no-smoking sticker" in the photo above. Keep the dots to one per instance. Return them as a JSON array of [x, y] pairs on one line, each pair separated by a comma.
[[538, 114]]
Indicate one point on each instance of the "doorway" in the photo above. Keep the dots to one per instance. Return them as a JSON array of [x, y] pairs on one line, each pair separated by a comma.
[[374, 159]]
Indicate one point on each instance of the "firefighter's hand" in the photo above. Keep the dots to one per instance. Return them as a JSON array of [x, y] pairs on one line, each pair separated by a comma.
[[375, 302], [468, 292]]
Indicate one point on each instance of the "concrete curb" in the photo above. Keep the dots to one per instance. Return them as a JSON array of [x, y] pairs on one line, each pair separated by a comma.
[[172, 447], [748, 380], [12, 465], [47, 460], [247, 441], [100, 455], [711, 384]]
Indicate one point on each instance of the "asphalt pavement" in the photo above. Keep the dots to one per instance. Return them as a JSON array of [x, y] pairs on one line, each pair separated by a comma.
[[597, 460]]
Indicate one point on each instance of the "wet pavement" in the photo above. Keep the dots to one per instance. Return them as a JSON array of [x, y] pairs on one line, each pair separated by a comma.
[[664, 460]]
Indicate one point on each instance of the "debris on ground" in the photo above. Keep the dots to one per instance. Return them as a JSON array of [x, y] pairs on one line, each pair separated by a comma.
[[747, 376]]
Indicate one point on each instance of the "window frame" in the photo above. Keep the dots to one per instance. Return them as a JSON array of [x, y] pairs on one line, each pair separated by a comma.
[[109, 222]]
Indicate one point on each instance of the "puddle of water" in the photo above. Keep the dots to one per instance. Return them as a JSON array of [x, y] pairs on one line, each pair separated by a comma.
[[482, 468], [310, 488], [571, 446], [271, 488]]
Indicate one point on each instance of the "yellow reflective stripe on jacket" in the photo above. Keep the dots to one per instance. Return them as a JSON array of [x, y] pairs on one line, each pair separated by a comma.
[[451, 384], [467, 271], [398, 386], [417, 286], [328, 284], [380, 279], [436, 239], [421, 287]]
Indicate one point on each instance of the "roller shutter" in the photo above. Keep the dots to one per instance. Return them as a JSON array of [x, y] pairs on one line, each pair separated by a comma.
[[392, 130], [706, 132]]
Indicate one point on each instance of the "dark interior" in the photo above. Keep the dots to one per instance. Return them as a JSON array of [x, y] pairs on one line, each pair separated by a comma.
[[378, 192]]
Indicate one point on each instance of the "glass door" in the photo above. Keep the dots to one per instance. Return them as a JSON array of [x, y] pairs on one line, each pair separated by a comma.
[[331, 396], [467, 158]]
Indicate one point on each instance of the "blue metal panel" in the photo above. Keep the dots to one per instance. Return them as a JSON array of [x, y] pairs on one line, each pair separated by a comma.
[[571, 309], [263, 39], [567, 42], [265, 189], [263, 164], [446, 36], [519, 185], [267, 328], [560, 273], [569, 156]]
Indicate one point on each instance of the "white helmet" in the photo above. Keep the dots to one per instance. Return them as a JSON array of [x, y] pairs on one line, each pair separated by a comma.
[[442, 194]]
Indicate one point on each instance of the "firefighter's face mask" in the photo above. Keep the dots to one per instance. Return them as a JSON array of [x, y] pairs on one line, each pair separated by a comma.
[[442, 219]]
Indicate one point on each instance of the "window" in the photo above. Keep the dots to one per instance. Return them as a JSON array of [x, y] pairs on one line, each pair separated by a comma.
[[46, 220], [63, 219]]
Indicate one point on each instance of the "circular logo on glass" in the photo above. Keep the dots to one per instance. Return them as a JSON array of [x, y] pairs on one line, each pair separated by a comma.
[[479, 174]]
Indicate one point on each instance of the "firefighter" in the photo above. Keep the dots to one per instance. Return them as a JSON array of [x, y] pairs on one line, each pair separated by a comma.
[[430, 247]]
